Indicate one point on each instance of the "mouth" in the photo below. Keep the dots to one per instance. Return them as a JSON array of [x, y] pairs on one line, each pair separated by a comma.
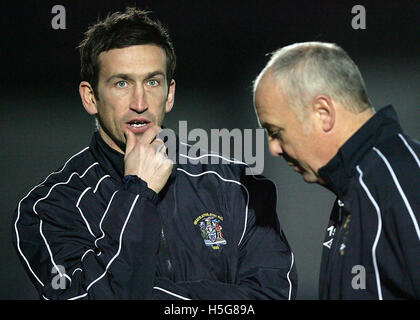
[[138, 125]]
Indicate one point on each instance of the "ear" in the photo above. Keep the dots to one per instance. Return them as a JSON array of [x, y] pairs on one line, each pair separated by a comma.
[[171, 96], [88, 97], [324, 110]]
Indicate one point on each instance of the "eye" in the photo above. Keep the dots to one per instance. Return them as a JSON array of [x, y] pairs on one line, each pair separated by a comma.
[[153, 82], [274, 134], [278, 135], [121, 84]]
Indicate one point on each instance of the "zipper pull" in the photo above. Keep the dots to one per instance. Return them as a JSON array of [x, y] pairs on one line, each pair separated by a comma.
[[340, 211]]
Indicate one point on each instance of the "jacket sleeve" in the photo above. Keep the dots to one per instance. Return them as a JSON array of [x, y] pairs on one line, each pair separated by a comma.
[[66, 261], [266, 264], [408, 239], [400, 203]]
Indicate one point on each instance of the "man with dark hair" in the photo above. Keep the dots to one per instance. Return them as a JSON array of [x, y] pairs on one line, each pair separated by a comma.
[[134, 27], [120, 220], [312, 100]]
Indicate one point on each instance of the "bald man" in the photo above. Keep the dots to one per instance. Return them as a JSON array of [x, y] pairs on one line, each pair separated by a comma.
[[312, 101]]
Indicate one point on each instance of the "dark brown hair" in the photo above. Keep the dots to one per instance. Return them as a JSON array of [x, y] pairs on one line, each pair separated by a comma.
[[121, 30]]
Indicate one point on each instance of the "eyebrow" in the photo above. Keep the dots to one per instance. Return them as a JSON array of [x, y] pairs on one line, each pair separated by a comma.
[[126, 76], [271, 127]]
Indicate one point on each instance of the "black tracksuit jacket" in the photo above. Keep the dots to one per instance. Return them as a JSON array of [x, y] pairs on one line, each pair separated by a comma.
[[211, 233], [372, 245]]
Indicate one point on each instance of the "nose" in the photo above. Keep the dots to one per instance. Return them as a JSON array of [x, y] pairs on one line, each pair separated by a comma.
[[138, 101], [275, 148]]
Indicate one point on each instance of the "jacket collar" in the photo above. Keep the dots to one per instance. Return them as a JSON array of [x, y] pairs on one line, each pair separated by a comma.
[[111, 160], [339, 171]]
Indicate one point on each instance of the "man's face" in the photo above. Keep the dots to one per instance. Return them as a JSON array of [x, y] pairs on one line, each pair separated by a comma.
[[132, 91], [287, 136]]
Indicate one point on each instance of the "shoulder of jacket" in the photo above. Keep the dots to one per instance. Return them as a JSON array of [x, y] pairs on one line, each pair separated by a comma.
[[77, 165]]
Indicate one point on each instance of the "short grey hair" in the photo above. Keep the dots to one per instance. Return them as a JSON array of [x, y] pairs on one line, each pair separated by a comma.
[[305, 70]]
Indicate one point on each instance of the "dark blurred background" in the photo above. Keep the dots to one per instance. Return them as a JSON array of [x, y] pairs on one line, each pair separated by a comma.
[[221, 46]]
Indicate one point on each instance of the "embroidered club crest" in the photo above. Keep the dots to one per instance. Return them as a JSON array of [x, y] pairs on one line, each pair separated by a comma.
[[211, 230]]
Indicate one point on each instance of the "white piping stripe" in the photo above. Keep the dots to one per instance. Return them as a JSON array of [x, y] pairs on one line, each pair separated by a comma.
[[407, 204], [410, 149], [100, 180], [77, 269], [115, 256], [49, 251], [378, 232], [213, 155], [87, 251], [210, 154], [189, 145], [224, 158], [171, 293], [78, 297], [288, 276], [103, 216], [227, 180], [291, 253], [18, 239], [81, 213], [18, 214]]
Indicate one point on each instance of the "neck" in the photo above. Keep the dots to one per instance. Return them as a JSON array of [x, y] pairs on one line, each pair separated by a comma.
[[353, 123], [108, 140], [346, 125]]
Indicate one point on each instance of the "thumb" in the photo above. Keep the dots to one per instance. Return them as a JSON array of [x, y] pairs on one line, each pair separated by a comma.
[[130, 141]]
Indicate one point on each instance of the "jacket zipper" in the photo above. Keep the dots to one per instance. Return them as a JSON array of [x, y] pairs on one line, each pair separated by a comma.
[[164, 251], [336, 239]]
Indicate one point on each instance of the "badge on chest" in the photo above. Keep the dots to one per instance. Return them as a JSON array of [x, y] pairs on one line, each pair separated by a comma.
[[211, 229]]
